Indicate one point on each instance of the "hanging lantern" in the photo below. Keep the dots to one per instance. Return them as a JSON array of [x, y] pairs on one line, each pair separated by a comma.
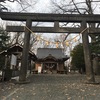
[[38, 38], [47, 43], [67, 43], [56, 44], [75, 39]]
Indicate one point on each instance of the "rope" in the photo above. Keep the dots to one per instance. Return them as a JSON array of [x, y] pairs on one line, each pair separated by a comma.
[[47, 42]]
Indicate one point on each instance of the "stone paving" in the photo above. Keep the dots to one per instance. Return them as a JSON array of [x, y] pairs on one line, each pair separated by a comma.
[[51, 87]]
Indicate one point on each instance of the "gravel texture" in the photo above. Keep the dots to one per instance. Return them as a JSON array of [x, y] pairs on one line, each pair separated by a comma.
[[51, 87]]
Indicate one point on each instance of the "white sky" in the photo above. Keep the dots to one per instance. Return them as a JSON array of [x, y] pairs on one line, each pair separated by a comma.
[[42, 6]]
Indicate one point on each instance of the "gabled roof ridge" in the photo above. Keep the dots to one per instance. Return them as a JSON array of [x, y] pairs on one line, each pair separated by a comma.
[[16, 44]]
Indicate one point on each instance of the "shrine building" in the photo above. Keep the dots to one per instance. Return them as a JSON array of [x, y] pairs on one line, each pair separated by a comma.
[[50, 59]]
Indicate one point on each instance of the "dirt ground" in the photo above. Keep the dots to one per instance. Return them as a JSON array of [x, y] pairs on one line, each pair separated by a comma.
[[51, 87]]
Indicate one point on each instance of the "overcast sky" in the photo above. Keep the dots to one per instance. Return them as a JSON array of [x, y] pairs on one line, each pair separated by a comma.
[[42, 6]]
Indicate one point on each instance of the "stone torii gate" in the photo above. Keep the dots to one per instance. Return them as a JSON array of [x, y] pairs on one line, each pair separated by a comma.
[[56, 18]]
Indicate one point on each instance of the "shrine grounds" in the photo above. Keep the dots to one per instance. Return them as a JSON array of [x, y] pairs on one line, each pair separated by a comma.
[[51, 87]]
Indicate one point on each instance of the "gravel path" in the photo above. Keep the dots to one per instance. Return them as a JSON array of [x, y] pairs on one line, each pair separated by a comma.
[[51, 87]]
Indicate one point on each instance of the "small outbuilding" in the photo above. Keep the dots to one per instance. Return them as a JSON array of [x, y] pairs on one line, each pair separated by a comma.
[[13, 55]]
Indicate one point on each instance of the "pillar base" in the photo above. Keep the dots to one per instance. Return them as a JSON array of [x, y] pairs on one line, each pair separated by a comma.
[[22, 82], [93, 83]]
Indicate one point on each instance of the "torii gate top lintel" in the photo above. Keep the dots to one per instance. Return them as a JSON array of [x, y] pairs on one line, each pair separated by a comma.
[[48, 17]]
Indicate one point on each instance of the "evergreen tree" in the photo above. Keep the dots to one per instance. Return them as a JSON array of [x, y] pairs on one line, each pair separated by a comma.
[[95, 46], [78, 57], [4, 38]]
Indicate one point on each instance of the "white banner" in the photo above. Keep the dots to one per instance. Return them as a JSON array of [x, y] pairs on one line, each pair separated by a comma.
[[39, 69], [13, 60]]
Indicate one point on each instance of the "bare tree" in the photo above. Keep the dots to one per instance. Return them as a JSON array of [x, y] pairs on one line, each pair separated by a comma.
[[76, 6], [2, 4], [23, 4]]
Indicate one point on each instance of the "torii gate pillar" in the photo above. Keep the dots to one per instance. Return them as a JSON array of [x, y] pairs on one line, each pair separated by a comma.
[[87, 55], [24, 63]]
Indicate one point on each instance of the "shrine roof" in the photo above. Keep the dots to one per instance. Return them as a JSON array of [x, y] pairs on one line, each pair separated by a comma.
[[58, 53], [15, 48]]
